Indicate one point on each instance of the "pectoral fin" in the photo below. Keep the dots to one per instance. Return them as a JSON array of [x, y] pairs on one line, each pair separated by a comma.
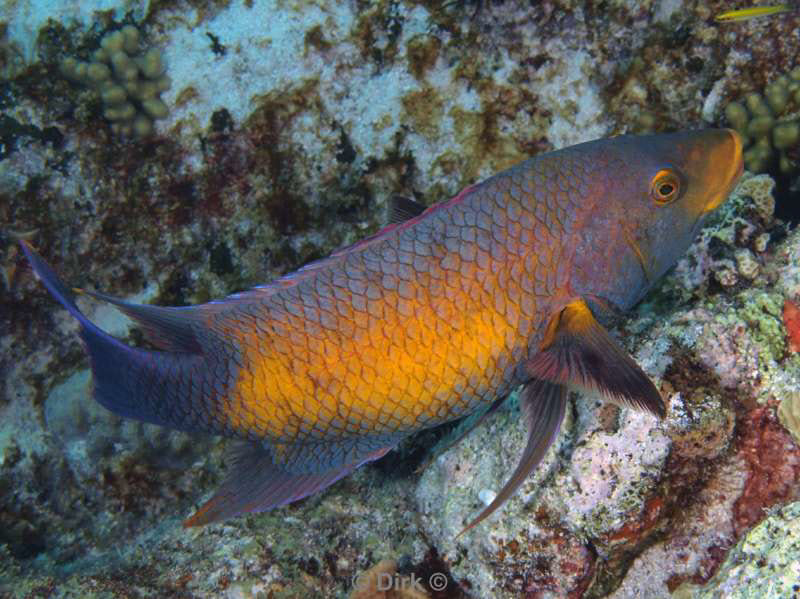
[[542, 405], [577, 350]]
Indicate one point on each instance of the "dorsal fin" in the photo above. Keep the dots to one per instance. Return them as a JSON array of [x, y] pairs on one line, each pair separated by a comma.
[[402, 209], [170, 329]]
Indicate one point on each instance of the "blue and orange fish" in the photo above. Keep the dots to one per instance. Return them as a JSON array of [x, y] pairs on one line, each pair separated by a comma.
[[429, 320]]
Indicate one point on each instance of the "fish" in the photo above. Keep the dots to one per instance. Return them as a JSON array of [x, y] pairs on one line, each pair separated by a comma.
[[753, 12], [441, 314]]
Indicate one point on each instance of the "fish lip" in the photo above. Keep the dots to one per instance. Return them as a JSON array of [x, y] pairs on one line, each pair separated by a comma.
[[732, 175]]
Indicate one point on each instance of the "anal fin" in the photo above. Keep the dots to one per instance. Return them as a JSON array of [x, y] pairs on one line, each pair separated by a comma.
[[256, 483], [577, 350]]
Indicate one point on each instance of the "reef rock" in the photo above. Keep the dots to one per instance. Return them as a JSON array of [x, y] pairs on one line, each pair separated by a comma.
[[764, 563]]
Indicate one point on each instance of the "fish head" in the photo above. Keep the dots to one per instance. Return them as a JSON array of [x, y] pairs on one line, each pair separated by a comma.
[[657, 191]]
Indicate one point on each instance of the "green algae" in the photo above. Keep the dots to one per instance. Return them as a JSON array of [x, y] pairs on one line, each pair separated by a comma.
[[762, 311]]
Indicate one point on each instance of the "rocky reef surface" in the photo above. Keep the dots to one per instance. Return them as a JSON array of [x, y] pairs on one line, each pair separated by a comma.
[[289, 124]]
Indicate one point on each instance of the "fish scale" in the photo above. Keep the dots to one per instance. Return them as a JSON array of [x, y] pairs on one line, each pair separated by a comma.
[[428, 320], [361, 282]]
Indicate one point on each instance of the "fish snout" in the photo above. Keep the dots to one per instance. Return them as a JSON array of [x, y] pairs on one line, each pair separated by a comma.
[[727, 165]]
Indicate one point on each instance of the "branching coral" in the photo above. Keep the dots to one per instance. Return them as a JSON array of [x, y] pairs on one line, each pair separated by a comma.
[[127, 80], [770, 125]]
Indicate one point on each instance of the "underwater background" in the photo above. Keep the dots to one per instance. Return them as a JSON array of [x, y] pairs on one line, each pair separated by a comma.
[[258, 136]]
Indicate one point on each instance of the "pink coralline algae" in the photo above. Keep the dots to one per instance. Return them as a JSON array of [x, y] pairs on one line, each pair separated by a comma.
[[791, 319], [773, 460]]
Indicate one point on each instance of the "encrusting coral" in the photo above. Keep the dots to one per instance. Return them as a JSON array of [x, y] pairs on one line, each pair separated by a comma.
[[127, 80], [769, 124]]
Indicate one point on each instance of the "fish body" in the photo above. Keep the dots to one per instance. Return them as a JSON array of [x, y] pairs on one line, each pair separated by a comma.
[[424, 322]]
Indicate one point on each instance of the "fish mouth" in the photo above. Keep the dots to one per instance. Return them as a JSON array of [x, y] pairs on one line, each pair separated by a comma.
[[637, 251], [729, 152]]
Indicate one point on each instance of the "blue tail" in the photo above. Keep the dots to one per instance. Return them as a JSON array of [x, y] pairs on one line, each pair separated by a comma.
[[151, 386]]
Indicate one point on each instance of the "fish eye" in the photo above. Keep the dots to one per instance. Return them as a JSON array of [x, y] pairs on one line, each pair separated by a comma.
[[665, 187]]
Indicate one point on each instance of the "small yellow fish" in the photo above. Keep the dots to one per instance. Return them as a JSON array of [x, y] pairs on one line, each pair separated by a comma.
[[745, 14]]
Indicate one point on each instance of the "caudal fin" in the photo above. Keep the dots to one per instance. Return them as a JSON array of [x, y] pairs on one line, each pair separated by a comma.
[[54, 285], [150, 386]]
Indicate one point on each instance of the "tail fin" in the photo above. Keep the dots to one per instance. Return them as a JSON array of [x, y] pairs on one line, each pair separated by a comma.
[[151, 386], [54, 285]]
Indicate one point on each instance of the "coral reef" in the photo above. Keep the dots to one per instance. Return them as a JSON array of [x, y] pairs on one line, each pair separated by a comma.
[[128, 81], [289, 126], [731, 253]]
